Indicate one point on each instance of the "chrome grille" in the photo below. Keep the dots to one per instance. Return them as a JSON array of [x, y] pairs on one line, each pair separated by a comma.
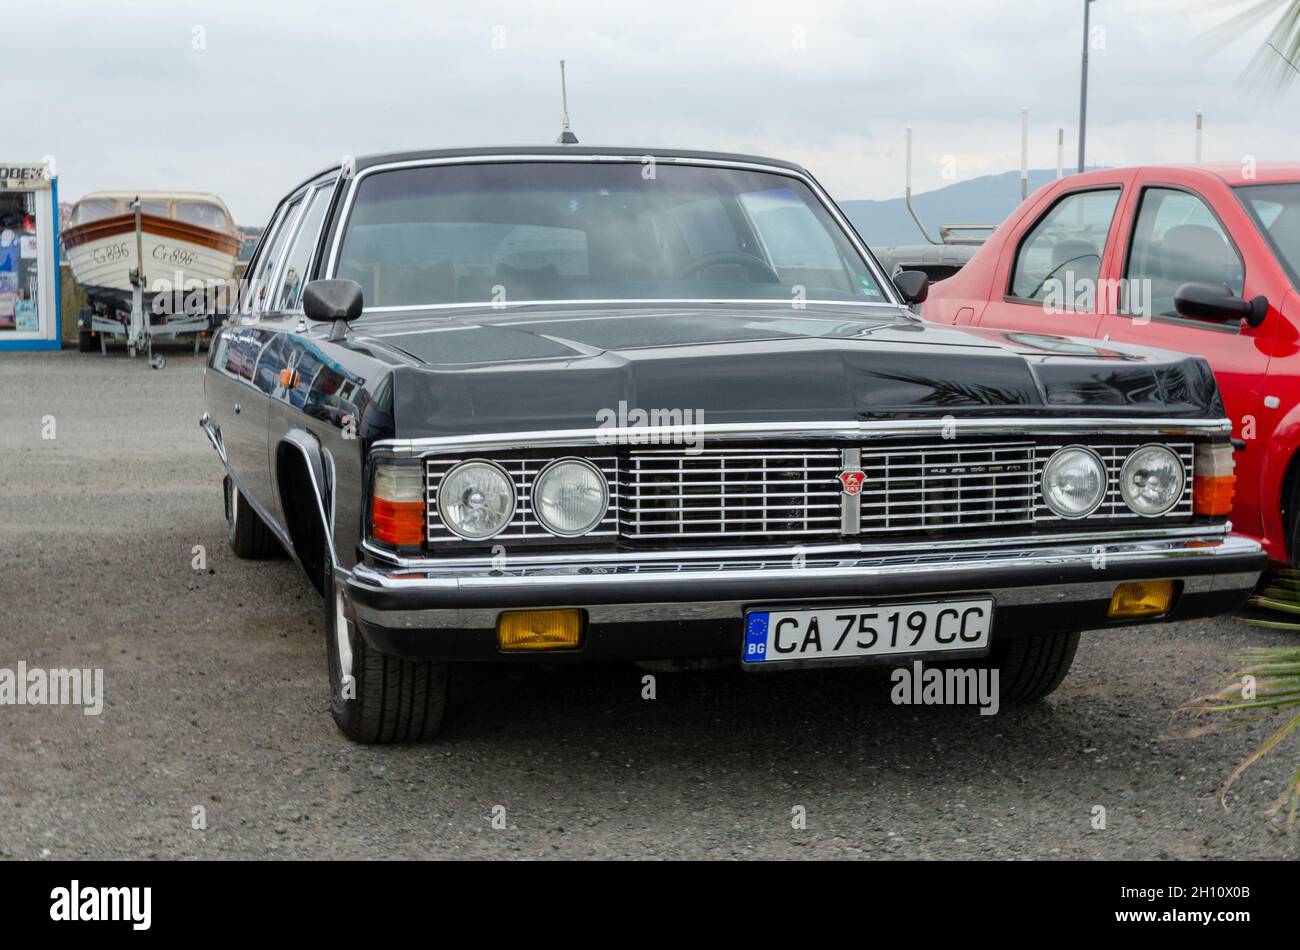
[[731, 493], [758, 492], [951, 486], [1114, 505], [522, 471], [792, 493]]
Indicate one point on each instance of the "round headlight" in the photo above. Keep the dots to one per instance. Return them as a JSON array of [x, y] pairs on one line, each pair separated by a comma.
[[570, 497], [1151, 480], [1074, 482], [476, 500]]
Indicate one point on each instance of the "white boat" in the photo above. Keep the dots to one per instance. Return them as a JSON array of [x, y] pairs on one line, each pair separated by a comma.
[[139, 256], [184, 237]]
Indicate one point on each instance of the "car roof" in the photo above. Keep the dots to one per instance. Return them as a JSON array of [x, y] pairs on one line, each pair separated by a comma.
[[587, 151], [1230, 173], [578, 151]]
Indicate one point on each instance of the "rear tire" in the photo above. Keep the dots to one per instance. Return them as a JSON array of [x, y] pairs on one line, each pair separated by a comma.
[[386, 698], [1032, 667], [247, 533]]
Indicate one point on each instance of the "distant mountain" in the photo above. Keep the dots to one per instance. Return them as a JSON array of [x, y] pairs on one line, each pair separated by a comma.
[[984, 200]]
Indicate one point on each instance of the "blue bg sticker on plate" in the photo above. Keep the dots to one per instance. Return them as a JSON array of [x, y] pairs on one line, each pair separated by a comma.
[[756, 638]]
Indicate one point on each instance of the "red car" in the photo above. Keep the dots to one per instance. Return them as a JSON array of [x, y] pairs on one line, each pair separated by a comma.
[[1204, 259]]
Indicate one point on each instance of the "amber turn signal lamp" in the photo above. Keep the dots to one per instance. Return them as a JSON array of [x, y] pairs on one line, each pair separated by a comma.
[[519, 630], [1213, 482], [397, 505], [1141, 599]]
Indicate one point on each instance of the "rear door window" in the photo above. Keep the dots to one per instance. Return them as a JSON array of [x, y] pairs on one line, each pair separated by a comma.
[[1178, 240]]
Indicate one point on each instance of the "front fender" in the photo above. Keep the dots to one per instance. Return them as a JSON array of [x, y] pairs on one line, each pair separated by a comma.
[[320, 475], [1272, 480]]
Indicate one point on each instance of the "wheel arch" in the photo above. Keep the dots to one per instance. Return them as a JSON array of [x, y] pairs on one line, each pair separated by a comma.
[[304, 483], [1281, 473]]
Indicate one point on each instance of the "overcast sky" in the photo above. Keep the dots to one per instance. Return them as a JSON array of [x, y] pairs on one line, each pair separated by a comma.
[[247, 98]]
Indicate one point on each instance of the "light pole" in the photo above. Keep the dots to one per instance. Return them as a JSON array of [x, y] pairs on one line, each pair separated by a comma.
[[1083, 86]]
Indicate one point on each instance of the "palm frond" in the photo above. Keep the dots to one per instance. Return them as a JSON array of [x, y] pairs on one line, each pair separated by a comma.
[[1276, 64], [1266, 683]]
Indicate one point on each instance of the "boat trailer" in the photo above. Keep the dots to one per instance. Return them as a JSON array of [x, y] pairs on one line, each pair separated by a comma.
[[138, 330]]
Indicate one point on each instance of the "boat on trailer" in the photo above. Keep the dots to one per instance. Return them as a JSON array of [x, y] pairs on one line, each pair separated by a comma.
[[128, 249]]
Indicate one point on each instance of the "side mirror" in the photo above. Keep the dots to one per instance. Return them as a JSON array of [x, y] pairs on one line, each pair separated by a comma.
[[1215, 303], [914, 285], [335, 300]]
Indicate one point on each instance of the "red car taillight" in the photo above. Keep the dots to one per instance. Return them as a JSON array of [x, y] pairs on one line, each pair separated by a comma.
[[397, 505]]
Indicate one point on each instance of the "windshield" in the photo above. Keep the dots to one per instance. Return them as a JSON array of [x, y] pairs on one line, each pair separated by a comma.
[[1276, 210], [498, 233]]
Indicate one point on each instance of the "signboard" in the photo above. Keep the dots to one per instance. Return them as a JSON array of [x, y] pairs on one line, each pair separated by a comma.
[[24, 177]]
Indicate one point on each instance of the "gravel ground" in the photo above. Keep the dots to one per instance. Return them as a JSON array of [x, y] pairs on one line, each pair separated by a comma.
[[216, 699]]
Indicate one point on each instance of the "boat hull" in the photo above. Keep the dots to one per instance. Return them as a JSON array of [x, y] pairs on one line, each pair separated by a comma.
[[176, 255]]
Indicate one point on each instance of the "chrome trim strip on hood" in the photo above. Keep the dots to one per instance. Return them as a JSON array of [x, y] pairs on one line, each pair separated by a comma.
[[797, 431]]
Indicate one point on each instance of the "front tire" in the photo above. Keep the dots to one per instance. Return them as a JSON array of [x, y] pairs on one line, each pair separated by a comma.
[[247, 533], [384, 698], [1032, 667]]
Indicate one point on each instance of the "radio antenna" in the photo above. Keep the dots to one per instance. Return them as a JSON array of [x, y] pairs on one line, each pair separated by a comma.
[[566, 136]]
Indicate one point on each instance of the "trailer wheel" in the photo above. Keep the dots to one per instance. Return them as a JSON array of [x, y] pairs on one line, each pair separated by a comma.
[[247, 533], [85, 338]]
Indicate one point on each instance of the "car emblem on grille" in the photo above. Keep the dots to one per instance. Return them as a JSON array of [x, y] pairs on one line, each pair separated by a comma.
[[852, 481]]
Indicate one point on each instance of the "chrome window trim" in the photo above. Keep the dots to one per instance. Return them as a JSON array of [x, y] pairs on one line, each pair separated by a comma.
[[323, 184], [849, 232], [290, 226], [624, 302], [794, 431], [308, 196]]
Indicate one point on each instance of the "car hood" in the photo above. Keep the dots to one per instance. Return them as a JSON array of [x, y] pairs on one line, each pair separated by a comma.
[[543, 368]]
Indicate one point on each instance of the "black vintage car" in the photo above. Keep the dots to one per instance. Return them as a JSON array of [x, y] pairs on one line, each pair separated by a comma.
[[575, 404]]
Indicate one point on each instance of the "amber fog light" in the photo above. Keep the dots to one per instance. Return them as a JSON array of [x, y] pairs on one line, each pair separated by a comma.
[[539, 629], [1141, 599]]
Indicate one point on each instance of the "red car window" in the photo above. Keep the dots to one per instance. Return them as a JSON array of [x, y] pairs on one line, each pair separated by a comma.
[[1065, 244]]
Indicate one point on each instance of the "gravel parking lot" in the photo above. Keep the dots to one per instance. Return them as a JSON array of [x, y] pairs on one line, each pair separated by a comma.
[[215, 699]]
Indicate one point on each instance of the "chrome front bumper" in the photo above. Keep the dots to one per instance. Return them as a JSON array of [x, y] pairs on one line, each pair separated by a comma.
[[451, 611]]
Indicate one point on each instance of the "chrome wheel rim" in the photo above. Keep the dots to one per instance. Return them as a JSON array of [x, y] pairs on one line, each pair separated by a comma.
[[342, 644]]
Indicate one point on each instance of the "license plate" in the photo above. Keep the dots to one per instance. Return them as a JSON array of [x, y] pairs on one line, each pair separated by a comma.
[[774, 636]]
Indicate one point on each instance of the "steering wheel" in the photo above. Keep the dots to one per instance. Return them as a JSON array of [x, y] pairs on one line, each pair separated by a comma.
[[1033, 294], [755, 265]]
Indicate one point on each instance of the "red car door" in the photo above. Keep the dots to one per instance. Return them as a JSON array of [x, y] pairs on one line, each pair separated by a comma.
[[1185, 226], [1058, 250]]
